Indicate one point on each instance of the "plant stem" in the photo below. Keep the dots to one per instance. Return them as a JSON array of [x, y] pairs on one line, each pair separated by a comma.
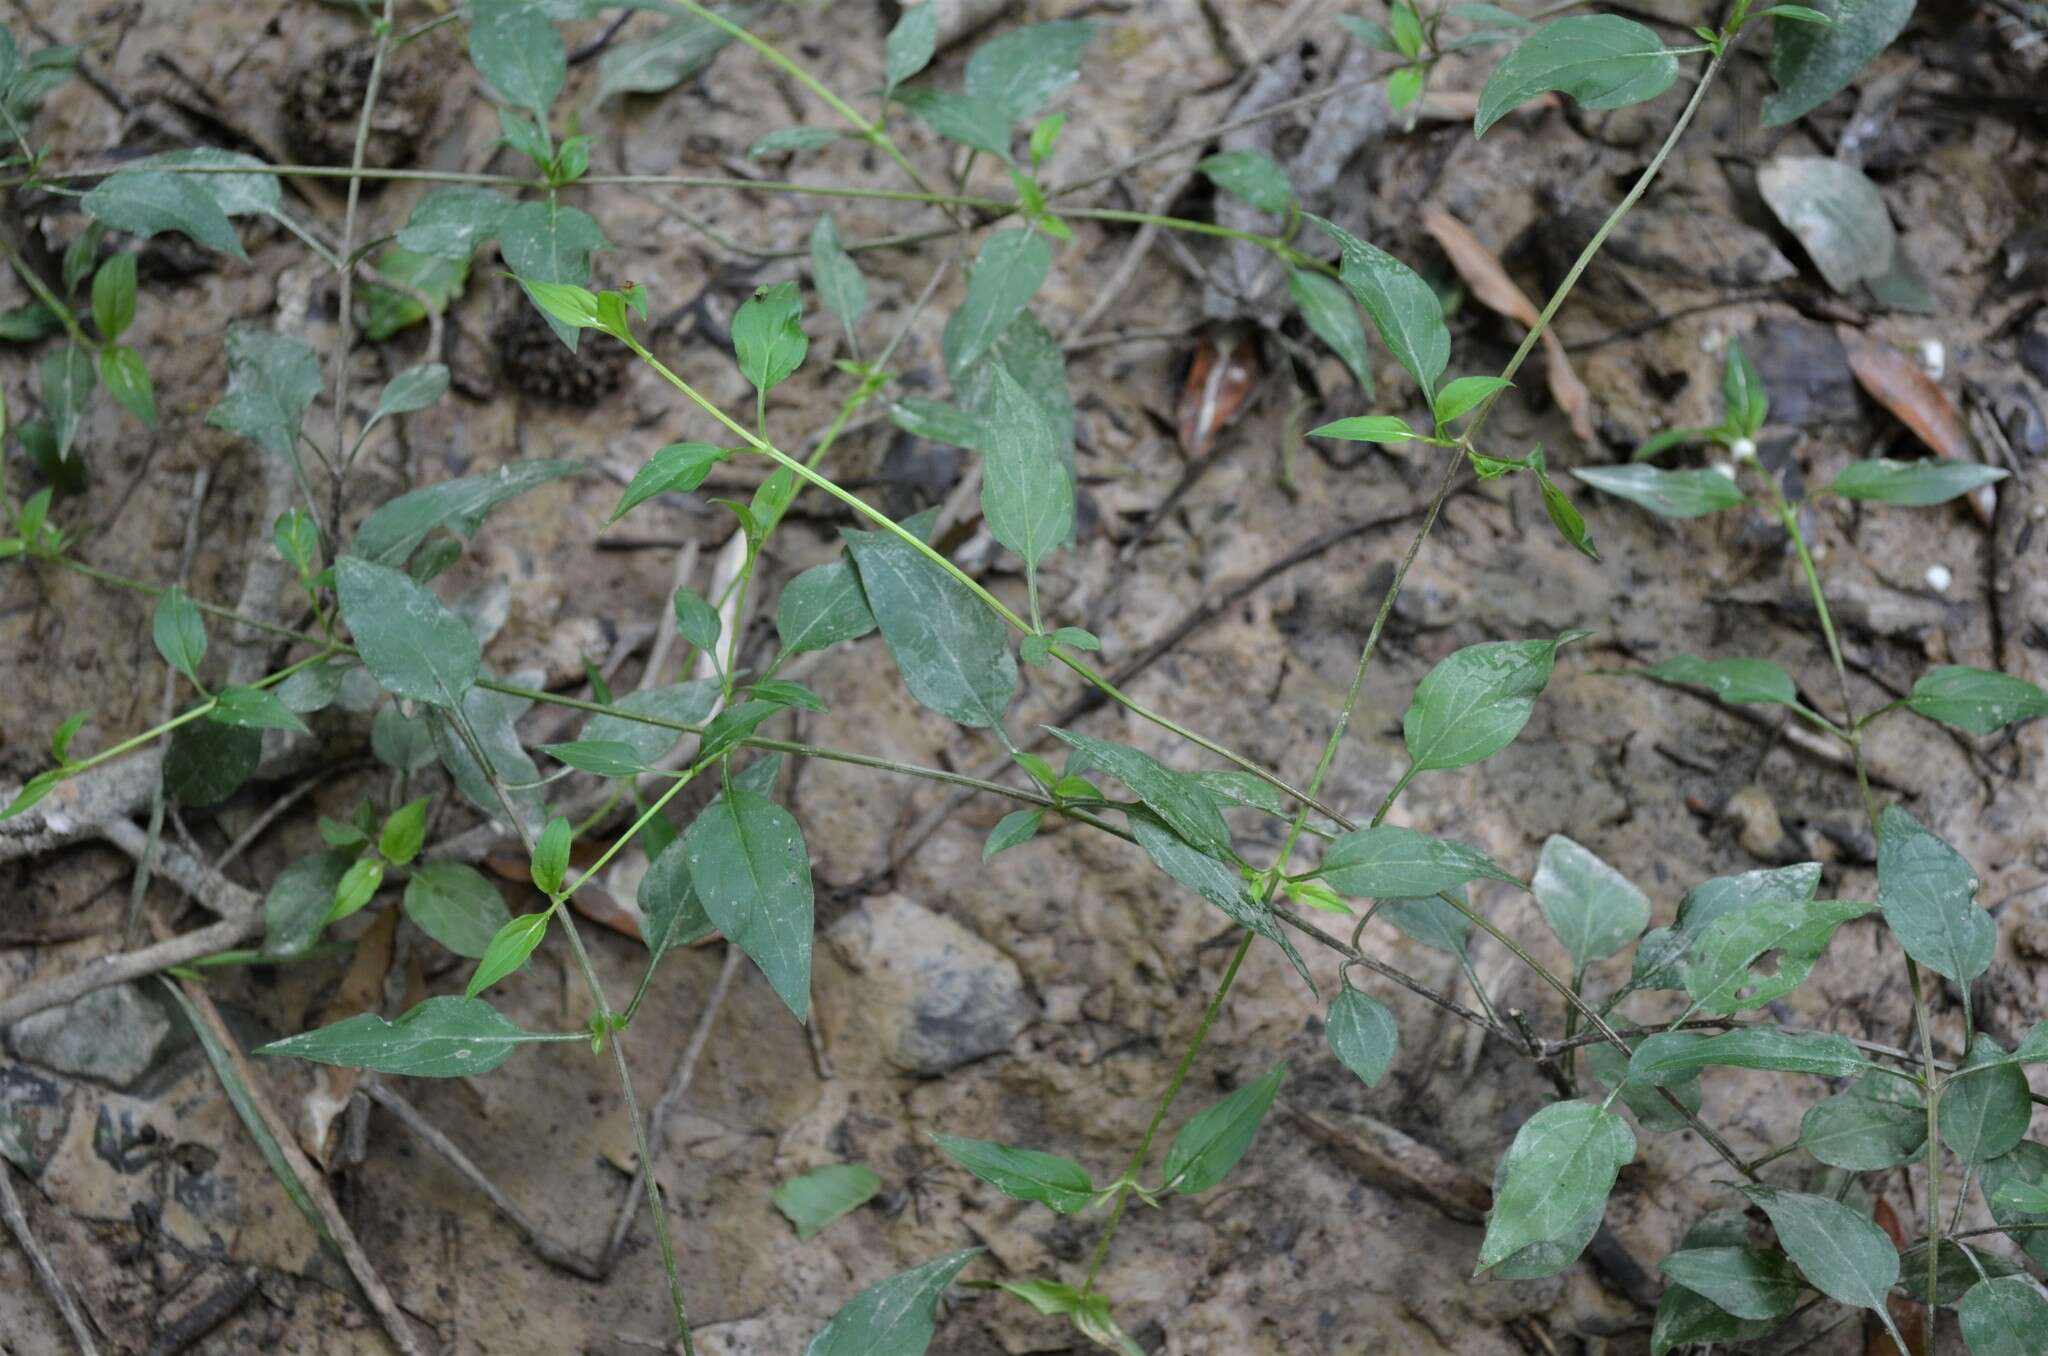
[[34, 282]]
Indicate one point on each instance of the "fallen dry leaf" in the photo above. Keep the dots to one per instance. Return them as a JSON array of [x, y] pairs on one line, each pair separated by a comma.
[[1496, 291], [1895, 381], [362, 990], [1220, 380]]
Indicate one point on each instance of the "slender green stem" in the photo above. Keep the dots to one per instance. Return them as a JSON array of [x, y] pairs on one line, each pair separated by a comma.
[[1144, 1149], [34, 282]]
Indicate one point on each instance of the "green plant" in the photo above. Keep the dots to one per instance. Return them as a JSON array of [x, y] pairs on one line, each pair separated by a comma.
[[741, 867]]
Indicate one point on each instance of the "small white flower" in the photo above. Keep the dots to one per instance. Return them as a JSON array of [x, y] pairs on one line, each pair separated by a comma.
[[1742, 450], [1933, 357], [1939, 578], [1726, 468]]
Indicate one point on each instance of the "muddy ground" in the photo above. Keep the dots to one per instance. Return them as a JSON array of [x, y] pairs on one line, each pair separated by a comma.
[[1351, 1227]]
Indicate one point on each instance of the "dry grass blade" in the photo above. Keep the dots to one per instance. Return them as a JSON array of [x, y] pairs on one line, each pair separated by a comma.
[[1902, 386], [1493, 287]]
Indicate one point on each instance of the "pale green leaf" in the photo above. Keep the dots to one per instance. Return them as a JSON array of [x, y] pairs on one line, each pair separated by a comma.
[[1594, 909], [1558, 1170], [1210, 1145], [412, 644], [1476, 700], [1928, 894], [1602, 61], [1668, 494], [1022, 1174], [456, 906], [446, 1037], [814, 1200]]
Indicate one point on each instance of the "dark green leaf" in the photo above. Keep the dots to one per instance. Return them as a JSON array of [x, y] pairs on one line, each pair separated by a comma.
[[1362, 1034], [2004, 1316], [2026, 1165], [1594, 909], [254, 708], [519, 51], [127, 381], [814, 1200], [1178, 799], [1736, 681], [413, 645], [1014, 74], [1022, 1174], [1013, 829], [144, 203], [1252, 176], [545, 242], [953, 652], [753, 874], [1333, 316], [489, 718], [821, 607], [413, 389], [1759, 955], [1431, 921], [295, 909], [973, 123], [1673, 1056], [1461, 396], [1404, 308], [697, 620], [1559, 1170], [1686, 1319], [1027, 497], [1915, 484], [910, 46], [389, 536], [1984, 1115], [67, 380], [673, 914], [1928, 894], [1215, 881], [1476, 700], [1960, 1268], [670, 56], [1391, 862], [679, 466], [449, 223], [1210, 1144], [1660, 961], [456, 906], [768, 335], [207, 762], [602, 757], [1980, 701], [1876, 1122], [1842, 1254], [446, 1037], [686, 703], [256, 194], [1007, 274], [1811, 63], [1600, 60], [180, 633], [1652, 1111], [113, 296], [1747, 1282], [271, 381], [1668, 494], [836, 276], [786, 139], [1836, 212], [894, 1318]]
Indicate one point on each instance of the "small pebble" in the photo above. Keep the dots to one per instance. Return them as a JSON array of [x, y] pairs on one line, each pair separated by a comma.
[[1933, 357], [1742, 450], [1726, 468], [1939, 578]]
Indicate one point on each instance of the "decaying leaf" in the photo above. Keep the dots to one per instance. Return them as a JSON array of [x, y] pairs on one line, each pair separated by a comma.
[[1493, 287], [1895, 381], [362, 990], [1220, 380]]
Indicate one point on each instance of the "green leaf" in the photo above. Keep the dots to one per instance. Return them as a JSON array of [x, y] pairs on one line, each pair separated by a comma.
[[1812, 64], [1027, 497], [821, 607], [1658, 443], [271, 381], [28, 322], [144, 203], [679, 466], [697, 620], [1661, 956], [1876, 1122], [768, 335], [783, 140], [1980, 701], [1836, 212], [1012, 830], [295, 909], [180, 633], [1686, 1319], [208, 762], [1744, 400], [937, 421], [783, 692], [356, 888], [113, 296], [734, 724], [1022, 1174], [515, 47], [545, 242], [385, 311], [1404, 308], [1723, 974], [1333, 316], [508, 951], [254, 708], [1210, 1144], [753, 874], [1983, 1116], [1915, 484], [954, 653], [256, 194], [1431, 921], [1216, 881], [449, 223], [61, 737], [1960, 1268], [1564, 514], [1362, 1034], [1367, 428], [1029, 353], [1178, 799], [1559, 1170], [2004, 1316], [836, 276], [2026, 1165], [673, 915], [550, 866], [1842, 1254], [814, 1200], [1252, 176], [1233, 787], [1007, 274], [1652, 1112], [1404, 87], [67, 380], [413, 389], [1460, 397], [1739, 682], [1668, 494], [601, 757], [896, 1317], [445, 1037], [412, 644], [1594, 909], [1373, 35], [489, 717], [686, 703], [1746, 1282], [127, 380], [1476, 700], [456, 906], [910, 46], [1928, 894], [1391, 862], [1016, 73], [672, 55], [1673, 1056], [973, 123], [1602, 61], [390, 535]]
